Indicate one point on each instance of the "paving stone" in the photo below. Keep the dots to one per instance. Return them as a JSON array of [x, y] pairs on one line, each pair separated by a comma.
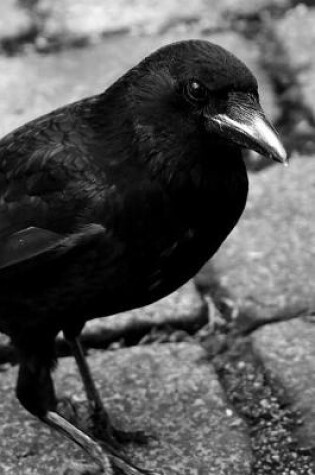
[[296, 33], [267, 265], [15, 21], [35, 84], [170, 391], [287, 350]]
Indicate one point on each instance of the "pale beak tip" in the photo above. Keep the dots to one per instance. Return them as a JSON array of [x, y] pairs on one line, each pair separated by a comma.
[[280, 154], [268, 138]]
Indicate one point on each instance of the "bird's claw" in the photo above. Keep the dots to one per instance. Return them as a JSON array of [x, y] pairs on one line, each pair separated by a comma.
[[138, 437], [111, 439], [67, 407], [101, 428]]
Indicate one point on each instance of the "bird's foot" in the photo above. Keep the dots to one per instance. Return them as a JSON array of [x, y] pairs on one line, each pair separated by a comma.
[[107, 460], [138, 437], [69, 408], [103, 429], [118, 465], [96, 422]]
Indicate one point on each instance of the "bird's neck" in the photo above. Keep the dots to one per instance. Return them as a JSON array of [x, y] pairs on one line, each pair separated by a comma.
[[188, 163], [200, 177]]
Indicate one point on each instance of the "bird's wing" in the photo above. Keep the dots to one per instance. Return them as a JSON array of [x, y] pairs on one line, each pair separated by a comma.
[[50, 189], [33, 245]]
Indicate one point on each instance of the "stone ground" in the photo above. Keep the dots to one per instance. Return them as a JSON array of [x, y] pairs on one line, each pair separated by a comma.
[[220, 373]]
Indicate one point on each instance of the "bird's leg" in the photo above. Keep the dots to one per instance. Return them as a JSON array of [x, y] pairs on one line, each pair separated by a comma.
[[89, 385], [92, 448], [101, 418], [57, 422], [36, 393], [94, 399]]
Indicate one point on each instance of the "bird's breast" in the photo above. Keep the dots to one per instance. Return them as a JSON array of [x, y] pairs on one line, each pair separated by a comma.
[[157, 239], [173, 232]]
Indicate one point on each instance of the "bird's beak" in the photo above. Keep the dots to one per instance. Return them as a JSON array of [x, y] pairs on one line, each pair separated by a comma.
[[247, 126]]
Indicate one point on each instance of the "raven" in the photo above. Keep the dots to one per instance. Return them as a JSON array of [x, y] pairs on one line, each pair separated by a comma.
[[116, 200]]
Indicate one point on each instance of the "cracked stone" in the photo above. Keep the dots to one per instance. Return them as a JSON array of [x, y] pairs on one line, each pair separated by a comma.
[[267, 265], [270, 420], [169, 391], [287, 351]]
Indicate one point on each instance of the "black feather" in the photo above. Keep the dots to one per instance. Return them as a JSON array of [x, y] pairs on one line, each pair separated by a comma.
[[119, 199]]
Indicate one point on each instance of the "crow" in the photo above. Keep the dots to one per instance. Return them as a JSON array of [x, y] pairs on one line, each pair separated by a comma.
[[115, 201]]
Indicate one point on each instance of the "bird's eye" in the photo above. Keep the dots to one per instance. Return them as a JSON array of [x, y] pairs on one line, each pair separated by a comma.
[[195, 91]]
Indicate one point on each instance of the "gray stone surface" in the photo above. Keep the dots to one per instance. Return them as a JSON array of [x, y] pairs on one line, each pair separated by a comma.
[[170, 391], [267, 265], [296, 33], [34, 84], [287, 350], [15, 21]]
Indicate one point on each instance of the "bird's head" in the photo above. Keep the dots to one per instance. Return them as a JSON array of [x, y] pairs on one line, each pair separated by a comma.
[[199, 87]]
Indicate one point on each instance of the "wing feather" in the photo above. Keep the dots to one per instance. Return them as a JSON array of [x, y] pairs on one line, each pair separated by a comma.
[[50, 187]]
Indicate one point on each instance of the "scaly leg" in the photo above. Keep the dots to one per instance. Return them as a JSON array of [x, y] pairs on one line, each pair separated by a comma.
[[93, 449], [35, 391], [57, 422], [100, 416]]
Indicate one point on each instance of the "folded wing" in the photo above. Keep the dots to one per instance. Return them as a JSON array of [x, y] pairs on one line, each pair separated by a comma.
[[51, 191]]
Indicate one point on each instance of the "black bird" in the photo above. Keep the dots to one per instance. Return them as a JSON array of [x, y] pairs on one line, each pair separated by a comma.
[[114, 201]]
